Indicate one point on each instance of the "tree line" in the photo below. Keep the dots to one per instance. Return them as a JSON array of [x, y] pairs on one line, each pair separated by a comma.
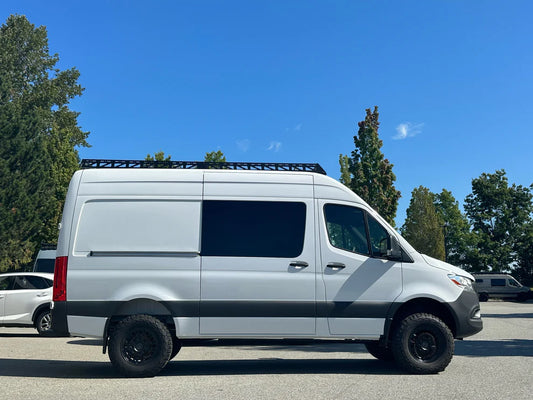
[[495, 233], [40, 135]]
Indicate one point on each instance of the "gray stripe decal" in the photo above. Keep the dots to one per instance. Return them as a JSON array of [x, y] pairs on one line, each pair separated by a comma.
[[243, 309]]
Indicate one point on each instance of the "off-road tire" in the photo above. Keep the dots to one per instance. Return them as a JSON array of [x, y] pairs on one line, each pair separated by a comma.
[[422, 344], [380, 352], [140, 346]]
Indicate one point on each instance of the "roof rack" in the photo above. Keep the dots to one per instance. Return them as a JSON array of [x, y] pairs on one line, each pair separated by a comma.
[[257, 166]]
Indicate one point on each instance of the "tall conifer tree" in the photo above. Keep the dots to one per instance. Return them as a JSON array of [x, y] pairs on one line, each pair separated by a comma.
[[38, 139], [370, 173]]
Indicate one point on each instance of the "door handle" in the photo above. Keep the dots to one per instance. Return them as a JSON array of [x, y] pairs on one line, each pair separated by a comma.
[[336, 265], [299, 264]]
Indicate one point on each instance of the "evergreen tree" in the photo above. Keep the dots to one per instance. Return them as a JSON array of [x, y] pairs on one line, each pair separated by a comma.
[[371, 175], [500, 216], [346, 177], [38, 139], [458, 240], [423, 227], [159, 156], [215, 156]]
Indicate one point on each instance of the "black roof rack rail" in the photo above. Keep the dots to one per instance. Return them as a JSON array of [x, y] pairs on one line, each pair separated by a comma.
[[253, 166]]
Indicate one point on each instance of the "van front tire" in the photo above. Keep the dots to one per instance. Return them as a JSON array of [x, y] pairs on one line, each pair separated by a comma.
[[423, 344], [140, 346]]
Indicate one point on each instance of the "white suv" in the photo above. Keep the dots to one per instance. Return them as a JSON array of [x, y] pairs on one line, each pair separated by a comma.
[[25, 300]]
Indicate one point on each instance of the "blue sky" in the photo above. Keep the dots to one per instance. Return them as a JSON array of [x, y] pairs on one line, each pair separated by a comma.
[[287, 81]]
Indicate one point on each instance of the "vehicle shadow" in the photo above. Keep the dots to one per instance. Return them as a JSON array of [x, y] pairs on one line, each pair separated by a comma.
[[104, 370], [494, 348]]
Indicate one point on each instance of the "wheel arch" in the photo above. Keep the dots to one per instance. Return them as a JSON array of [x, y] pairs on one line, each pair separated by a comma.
[[138, 306], [38, 310], [399, 311]]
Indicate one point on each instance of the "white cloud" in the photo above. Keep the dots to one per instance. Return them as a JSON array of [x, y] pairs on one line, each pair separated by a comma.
[[298, 127], [274, 146], [243, 145], [407, 129]]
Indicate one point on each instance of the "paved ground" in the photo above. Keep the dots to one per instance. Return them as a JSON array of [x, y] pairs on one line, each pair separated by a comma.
[[495, 364]]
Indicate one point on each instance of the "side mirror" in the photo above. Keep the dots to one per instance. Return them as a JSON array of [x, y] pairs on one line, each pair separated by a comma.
[[394, 252]]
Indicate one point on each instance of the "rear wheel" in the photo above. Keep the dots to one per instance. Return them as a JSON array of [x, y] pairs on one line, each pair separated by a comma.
[[140, 346], [380, 352], [423, 344], [43, 323], [483, 297]]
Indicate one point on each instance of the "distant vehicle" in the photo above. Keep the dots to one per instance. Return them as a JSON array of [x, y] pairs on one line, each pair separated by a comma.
[[25, 300], [45, 259], [501, 286]]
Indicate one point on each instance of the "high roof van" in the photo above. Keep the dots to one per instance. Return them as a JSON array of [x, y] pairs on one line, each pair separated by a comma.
[[149, 258], [500, 286]]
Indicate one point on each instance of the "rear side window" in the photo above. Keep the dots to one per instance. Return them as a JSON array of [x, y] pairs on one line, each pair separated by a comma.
[[497, 282], [29, 282], [253, 229]]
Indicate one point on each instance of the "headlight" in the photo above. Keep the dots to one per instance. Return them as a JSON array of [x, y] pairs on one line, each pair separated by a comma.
[[461, 281]]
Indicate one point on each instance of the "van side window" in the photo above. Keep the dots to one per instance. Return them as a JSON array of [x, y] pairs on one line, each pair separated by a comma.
[[253, 228], [497, 282], [346, 228]]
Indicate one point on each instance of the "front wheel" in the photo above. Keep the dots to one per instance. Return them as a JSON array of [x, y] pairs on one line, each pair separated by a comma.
[[140, 346], [423, 344]]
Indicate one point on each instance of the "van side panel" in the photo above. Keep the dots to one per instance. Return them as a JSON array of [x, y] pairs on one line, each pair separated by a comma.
[[135, 247], [259, 294]]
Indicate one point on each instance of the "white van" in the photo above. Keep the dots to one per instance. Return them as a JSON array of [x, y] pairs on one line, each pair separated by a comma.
[[500, 286], [148, 258]]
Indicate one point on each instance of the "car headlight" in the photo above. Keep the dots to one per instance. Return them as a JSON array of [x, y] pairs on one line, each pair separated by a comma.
[[461, 281]]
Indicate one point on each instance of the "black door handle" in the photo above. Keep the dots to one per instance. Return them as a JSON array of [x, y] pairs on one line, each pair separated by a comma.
[[336, 265], [299, 264]]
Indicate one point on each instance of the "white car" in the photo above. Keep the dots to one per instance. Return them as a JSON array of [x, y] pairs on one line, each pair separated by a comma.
[[25, 300]]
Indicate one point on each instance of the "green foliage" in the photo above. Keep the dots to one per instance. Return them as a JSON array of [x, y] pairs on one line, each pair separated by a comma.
[[370, 174], [159, 156], [500, 216], [423, 227], [346, 177], [215, 156], [38, 139], [458, 240]]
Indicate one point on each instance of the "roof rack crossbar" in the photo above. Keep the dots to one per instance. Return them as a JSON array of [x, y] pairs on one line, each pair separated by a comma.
[[249, 166]]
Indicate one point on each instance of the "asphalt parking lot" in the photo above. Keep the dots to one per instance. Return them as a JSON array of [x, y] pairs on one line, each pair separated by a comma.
[[497, 363]]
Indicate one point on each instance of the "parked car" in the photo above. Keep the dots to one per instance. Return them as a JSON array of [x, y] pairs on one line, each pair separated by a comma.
[[501, 286], [25, 300], [46, 259], [148, 258]]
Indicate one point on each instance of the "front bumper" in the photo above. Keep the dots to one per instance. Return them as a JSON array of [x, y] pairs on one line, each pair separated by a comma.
[[467, 314]]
